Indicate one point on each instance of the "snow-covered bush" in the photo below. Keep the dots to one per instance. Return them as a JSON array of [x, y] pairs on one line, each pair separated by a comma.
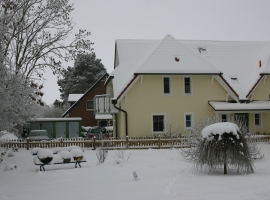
[[10, 154], [120, 155], [215, 144], [101, 154], [5, 135], [10, 166]]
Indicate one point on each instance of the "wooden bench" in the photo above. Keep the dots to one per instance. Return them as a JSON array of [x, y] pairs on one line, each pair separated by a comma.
[[56, 161], [57, 158]]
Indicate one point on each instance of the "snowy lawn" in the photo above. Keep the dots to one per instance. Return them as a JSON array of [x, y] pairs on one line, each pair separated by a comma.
[[162, 174]]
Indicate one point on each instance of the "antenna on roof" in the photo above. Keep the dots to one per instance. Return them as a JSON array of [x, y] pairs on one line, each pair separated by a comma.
[[201, 49]]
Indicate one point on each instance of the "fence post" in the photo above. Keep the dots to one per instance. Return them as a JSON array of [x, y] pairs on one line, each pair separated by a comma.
[[94, 140], [27, 144], [127, 142], [159, 142], [61, 142]]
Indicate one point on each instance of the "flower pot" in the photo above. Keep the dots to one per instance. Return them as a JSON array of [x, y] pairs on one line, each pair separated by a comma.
[[66, 160], [78, 158], [46, 160]]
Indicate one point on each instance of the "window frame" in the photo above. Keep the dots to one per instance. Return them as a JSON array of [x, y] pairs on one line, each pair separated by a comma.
[[170, 86], [191, 86], [164, 123], [260, 120], [226, 117], [191, 119], [87, 104]]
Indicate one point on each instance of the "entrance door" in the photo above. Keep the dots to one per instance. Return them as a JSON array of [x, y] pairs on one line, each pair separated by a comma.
[[49, 127], [60, 129], [73, 129], [243, 118]]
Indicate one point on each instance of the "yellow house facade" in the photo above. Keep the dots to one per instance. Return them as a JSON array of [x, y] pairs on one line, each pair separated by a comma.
[[158, 81]]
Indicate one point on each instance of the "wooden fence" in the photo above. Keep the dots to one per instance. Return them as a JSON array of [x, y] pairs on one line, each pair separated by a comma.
[[124, 143]]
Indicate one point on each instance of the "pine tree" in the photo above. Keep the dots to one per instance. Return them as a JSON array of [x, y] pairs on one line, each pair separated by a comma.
[[78, 79]]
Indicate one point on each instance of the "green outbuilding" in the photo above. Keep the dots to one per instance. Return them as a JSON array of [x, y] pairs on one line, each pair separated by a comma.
[[57, 127]]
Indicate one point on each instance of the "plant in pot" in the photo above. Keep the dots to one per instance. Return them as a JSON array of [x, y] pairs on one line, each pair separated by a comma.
[[45, 155], [66, 156], [77, 154]]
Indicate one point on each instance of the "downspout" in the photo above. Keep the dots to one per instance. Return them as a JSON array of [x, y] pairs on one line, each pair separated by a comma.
[[114, 102], [116, 129]]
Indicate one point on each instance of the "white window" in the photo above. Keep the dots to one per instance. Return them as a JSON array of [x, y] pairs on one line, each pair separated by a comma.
[[167, 85], [258, 120], [188, 120], [89, 105], [158, 123], [187, 86], [224, 117]]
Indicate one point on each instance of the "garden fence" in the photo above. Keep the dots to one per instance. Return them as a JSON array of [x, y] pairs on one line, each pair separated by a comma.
[[112, 143]]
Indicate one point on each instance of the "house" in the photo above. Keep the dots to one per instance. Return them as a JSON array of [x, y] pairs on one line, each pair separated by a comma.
[[72, 98], [82, 105], [186, 80]]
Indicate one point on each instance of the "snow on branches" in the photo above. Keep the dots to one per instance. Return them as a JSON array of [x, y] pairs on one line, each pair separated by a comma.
[[221, 145]]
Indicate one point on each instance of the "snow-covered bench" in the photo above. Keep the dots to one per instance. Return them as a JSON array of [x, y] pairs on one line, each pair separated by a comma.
[[47, 157]]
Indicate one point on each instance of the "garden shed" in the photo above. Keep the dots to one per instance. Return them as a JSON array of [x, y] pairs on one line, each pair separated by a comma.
[[57, 127]]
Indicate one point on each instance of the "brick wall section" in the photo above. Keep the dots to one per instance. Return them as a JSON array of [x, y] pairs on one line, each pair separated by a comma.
[[79, 110]]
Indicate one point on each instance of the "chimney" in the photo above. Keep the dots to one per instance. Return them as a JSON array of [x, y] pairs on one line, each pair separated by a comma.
[[260, 63]]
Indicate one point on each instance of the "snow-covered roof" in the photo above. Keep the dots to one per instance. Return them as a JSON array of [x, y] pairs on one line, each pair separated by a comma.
[[238, 62], [55, 119], [74, 97], [251, 106]]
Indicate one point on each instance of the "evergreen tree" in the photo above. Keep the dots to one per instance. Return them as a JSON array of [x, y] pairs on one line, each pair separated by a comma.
[[78, 79]]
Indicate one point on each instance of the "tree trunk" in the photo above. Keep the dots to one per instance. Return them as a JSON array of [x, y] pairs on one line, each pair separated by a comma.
[[225, 168]]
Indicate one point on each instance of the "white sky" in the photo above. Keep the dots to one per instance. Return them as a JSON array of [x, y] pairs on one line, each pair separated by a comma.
[[109, 20]]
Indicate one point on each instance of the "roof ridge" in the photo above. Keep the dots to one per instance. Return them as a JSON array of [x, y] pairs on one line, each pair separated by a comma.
[[183, 45]]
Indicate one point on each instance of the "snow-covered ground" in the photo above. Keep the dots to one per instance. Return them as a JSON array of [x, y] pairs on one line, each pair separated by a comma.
[[162, 174]]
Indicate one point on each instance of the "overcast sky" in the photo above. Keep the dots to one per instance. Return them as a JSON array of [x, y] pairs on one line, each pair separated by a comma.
[[109, 20]]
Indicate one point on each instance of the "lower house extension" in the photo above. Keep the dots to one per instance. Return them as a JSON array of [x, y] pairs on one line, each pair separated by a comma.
[[155, 81]]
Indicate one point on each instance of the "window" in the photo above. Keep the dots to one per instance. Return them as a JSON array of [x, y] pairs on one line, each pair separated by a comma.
[[188, 120], [166, 85], [158, 123], [257, 120], [187, 85], [89, 105], [224, 118]]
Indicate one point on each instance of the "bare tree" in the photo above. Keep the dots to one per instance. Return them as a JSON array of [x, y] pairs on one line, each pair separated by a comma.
[[172, 130], [32, 38]]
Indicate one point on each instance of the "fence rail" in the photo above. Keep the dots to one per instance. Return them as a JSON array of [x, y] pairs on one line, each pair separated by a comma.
[[126, 143]]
